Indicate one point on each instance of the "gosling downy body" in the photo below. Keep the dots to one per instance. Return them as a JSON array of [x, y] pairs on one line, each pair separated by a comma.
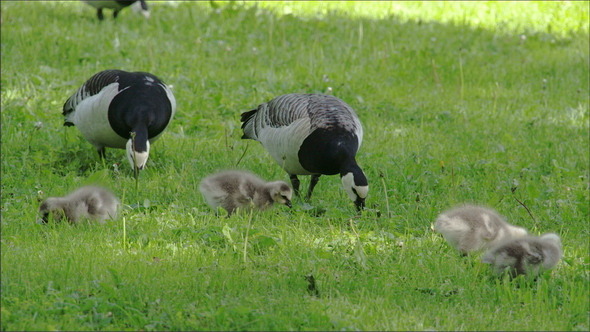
[[529, 255], [89, 202], [239, 189], [471, 228]]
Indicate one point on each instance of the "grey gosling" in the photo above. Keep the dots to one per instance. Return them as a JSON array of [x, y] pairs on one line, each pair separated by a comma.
[[529, 255], [239, 189], [470, 228], [94, 203]]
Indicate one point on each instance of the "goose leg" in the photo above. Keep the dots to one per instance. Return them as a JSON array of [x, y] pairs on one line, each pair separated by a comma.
[[99, 14], [115, 13], [294, 183], [101, 153], [314, 180]]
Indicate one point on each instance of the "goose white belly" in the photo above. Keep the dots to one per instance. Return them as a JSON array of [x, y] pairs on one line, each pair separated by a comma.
[[92, 119], [283, 144]]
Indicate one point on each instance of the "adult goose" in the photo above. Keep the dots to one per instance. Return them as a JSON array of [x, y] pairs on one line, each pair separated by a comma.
[[124, 110], [311, 134], [116, 5]]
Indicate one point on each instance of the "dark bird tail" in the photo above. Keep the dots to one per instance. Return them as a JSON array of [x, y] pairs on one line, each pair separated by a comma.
[[248, 124]]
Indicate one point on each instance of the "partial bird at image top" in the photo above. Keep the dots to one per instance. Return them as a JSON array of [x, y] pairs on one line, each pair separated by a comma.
[[117, 6]]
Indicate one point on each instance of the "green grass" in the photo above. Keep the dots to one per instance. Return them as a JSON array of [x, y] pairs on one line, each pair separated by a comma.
[[461, 102]]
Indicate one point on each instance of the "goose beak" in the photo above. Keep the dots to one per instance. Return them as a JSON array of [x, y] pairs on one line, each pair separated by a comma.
[[288, 203], [359, 203], [136, 170]]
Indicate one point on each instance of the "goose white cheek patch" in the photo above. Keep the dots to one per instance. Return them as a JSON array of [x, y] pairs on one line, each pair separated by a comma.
[[348, 184], [137, 159], [140, 159], [350, 187], [362, 191]]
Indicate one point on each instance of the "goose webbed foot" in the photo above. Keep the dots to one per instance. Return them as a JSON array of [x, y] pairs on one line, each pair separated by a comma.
[[101, 152], [314, 180], [295, 184]]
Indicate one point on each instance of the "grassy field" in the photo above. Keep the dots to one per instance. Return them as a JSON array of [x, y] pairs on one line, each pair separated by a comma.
[[461, 102]]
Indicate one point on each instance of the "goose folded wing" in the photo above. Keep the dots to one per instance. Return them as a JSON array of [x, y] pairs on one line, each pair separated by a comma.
[[90, 88]]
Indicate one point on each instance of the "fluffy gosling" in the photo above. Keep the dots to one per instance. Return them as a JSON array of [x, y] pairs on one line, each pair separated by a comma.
[[238, 189], [530, 255], [470, 228], [94, 203]]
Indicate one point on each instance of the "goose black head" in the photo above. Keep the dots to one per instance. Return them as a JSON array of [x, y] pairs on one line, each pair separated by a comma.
[[356, 186]]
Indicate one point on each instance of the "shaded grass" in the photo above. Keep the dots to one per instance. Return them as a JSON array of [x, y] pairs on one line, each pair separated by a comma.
[[453, 112]]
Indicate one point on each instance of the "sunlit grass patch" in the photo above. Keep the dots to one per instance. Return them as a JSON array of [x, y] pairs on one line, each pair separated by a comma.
[[560, 18], [483, 102]]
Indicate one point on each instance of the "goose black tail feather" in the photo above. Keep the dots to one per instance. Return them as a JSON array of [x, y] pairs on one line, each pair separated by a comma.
[[67, 109], [245, 118]]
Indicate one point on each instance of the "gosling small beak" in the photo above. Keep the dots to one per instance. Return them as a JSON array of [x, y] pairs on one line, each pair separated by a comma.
[[288, 203], [359, 203]]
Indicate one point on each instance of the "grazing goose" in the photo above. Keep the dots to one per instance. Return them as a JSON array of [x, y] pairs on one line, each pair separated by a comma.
[[90, 202], [470, 228], [112, 104], [530, 255], [239, 189], [311, 134], [116, 5]]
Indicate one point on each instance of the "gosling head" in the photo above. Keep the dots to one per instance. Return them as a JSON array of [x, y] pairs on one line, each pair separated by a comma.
[[280, 192], [51, 205], [552, 238], [356, 186]]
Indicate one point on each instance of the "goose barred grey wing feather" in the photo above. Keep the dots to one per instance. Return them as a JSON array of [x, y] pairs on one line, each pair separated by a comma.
[[90, 88], [323, 111]]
